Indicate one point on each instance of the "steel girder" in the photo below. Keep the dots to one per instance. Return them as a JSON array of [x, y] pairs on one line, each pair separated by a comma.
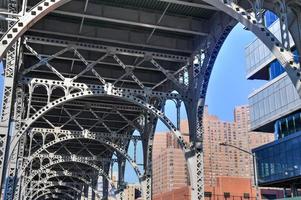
[[35, 14], [83, 136], [57, 195], [54, 191], [49, 185], [149, 132], [67, 45], [106, 90], [240, 14], [280, 49], [61, 160], [7, 114], [57, 175]]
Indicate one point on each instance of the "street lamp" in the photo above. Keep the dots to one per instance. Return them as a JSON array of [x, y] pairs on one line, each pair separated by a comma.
[[254, 164]]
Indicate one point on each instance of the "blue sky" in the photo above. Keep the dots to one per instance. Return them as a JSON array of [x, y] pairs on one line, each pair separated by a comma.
[[228, 86]]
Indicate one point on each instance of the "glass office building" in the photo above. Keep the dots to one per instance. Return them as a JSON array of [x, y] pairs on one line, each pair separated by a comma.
[[275, 107], [279, 163]]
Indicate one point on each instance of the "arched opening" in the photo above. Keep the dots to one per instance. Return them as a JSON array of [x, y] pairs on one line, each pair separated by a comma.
[[61, 136], [37, 141], [74, 91], [39, 98], [45, 161], [49, 137], [57, 93], [42, 176], [135, 150], [36, 163]]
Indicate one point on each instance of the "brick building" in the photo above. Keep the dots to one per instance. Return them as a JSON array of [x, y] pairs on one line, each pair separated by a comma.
[[169, 166], [228, 161]]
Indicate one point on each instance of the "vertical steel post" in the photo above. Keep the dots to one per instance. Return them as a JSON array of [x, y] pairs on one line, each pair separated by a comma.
[[255, 176], [7, 107]]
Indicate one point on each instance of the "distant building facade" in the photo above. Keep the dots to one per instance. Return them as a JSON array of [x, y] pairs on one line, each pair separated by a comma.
[[132, 192], [169, 165], [183, 193], [170, 170], [227, 161]]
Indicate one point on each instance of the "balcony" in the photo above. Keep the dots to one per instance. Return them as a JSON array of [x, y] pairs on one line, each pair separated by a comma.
[[274, 100]]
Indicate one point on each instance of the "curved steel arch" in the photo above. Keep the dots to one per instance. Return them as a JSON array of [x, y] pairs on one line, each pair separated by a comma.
[[229, 7], [86, 182], [241, 18], [48, 185], [212, 46], [292, 17], [28, 20], [83, 135], [107, 90], [74, 159], [55, 185], [284, 56], [53, 191], [50, 193]]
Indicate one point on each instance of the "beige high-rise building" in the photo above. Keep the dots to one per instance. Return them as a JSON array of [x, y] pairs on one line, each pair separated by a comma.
[[228, 161], [169, 166], [130, 191]]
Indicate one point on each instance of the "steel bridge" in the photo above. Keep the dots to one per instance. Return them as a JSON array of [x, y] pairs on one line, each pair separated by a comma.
[[80, 76]]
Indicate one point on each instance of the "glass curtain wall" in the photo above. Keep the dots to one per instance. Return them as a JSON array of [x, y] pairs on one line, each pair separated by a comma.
[[288, 125], [279, 160]]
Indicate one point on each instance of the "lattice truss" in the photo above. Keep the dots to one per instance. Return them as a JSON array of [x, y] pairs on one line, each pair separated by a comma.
[[82, 76], [87, 131]]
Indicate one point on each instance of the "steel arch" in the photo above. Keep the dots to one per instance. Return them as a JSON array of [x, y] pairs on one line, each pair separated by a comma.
[[28, 20], [240, 15], [63, 174], [216, 41], [284, 56], [229, 7], [84, 136], [74, 159], [49, 185], [107, 90], [53, 191], [53, 196]]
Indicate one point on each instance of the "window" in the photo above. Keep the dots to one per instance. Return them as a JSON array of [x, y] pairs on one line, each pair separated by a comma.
[[208, 194], [275, 69], [296, 56], [288, 125], [227, 194], [269, 18], [246, 195]]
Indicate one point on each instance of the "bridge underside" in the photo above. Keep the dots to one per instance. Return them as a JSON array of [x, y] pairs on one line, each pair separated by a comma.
[[84, 77]]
